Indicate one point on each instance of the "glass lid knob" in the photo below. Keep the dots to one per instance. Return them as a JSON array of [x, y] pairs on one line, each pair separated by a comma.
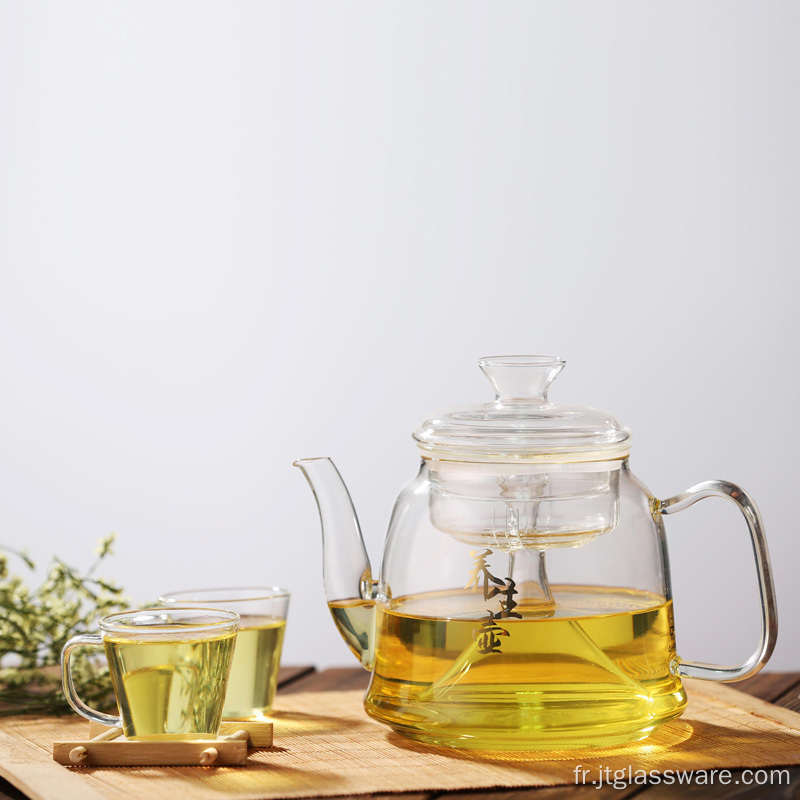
[[521, 379]]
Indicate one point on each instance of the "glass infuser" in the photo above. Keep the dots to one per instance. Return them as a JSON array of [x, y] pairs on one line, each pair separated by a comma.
[[524, 599]]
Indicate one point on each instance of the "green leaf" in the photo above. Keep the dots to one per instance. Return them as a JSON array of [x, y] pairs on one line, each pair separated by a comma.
[[36, 624]]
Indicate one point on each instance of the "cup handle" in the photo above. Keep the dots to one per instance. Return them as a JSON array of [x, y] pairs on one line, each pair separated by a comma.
[[766, 588], [69, 684]]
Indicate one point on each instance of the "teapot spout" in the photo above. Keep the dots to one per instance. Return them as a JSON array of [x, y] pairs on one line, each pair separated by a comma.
[[349, 587]]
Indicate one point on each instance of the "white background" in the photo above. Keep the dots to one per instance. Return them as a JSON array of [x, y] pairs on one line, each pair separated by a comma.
[[235, 234]]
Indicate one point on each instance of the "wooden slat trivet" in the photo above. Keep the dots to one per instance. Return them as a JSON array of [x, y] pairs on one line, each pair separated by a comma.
[[110, 749]]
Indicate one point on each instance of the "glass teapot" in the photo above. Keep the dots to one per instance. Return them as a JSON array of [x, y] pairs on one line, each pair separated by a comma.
[[524, 600]]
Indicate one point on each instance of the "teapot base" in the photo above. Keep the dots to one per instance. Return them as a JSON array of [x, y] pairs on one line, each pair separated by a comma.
[[537, 738], [551, 741]]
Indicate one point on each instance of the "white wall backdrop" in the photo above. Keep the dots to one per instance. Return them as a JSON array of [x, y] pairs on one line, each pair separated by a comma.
[[235, 234]]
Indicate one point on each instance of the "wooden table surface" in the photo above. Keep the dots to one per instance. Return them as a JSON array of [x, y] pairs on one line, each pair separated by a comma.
[[781, 688]]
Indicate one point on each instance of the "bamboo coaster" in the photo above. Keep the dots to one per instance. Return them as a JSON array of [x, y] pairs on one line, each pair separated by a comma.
[[111, 749]]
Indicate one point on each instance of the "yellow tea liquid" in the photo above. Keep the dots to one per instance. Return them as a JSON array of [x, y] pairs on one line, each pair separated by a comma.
[[355, 620], [254, 672], [170, 689], [595, 671]]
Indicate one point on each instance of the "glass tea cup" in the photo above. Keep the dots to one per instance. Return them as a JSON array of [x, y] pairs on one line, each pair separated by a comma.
[[169, 668], [254, 672]]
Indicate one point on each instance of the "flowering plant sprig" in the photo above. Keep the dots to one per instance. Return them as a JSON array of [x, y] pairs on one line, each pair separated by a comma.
[[35, 623]]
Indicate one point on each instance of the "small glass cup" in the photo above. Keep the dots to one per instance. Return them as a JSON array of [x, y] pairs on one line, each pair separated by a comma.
[[254, 672], [169, 668]]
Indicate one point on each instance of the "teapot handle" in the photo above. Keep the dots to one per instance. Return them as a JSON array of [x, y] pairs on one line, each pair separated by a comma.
[[766, 588]]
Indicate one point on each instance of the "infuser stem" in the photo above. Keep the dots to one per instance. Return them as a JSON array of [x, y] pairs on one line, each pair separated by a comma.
[[544, 581], [526, 578]]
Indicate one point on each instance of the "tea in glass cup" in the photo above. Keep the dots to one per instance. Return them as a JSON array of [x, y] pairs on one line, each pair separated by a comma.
[[254, 672], [169, 668]]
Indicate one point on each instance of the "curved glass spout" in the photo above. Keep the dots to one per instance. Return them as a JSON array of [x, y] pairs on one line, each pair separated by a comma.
[[346, 570]]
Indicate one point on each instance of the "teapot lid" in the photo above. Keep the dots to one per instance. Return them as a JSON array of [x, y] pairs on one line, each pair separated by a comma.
[[522, 424]]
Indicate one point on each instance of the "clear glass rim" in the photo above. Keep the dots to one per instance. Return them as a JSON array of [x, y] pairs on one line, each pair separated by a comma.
[[198, 620], [225, 594], [521, 361]]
